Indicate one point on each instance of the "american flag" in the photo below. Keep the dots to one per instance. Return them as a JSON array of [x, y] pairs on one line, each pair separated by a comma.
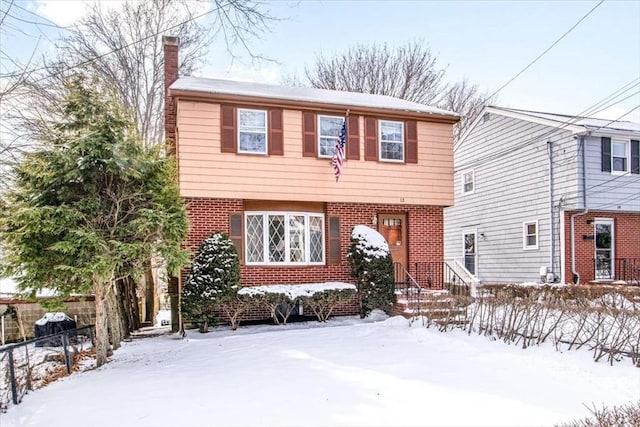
[[338, 157]]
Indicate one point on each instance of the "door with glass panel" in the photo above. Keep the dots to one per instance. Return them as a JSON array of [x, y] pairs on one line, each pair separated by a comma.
[[604, 255], [470, 254], [393, 227]]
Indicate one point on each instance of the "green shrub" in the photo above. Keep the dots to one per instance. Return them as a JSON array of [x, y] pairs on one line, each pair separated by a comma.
[[214, 277], [372, 267]]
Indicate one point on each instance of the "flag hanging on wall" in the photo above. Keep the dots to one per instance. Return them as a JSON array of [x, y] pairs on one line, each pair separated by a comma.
[[338, 157]]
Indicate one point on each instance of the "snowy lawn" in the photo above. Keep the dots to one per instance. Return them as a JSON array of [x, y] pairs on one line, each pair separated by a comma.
[[375, 372]]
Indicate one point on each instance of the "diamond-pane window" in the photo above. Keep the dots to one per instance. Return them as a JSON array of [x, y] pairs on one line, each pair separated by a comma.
[[316, 247], [287, 238], [255, 242], [297, 231], [277, 250]]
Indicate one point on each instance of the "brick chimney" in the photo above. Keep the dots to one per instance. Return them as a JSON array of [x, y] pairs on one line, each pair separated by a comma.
[[170, 46]]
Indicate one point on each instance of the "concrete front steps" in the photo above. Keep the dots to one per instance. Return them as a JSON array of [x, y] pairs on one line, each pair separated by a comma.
[[437, 305]]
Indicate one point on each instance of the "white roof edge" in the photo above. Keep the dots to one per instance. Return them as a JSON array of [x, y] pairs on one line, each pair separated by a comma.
[[305, 94], [508, 112]]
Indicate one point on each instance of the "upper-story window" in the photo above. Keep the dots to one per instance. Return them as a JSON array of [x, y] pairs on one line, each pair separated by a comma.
[[329, 128], [391, 138], [619, 156], [468, 181], [530, 235], [252, 131]]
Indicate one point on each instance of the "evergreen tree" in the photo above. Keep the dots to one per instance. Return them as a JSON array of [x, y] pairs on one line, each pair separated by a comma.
[[90, 206], [372, 267], [214, 277]]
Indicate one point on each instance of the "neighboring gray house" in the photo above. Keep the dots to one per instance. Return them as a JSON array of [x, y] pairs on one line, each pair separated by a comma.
[[542, 196]]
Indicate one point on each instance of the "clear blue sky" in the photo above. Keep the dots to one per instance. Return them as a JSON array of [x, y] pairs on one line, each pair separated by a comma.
[[486, 41]]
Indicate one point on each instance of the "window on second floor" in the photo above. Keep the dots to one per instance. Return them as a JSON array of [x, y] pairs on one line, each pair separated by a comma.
[[329, 130], [530, 235], [252, 131], [391, 139], [619, 156], [468, 181]]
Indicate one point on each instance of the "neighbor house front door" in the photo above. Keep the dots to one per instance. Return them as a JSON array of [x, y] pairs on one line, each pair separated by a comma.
[[393, 228]]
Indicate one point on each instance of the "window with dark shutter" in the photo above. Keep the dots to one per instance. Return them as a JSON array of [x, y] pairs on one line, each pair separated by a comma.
[[334, 240], [228, 142], [353, 138], [635, 156], [235, 233], [276, 142], [309, 141], [370, 139], [606, 154], [411, 143]]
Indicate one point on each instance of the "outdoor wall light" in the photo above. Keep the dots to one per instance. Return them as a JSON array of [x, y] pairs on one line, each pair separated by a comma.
[[374, 219], [482, 236]]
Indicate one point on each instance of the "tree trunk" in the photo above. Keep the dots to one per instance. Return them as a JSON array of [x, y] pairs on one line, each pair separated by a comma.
[[115, 317], [149, 293], [102, 332], [132, 303], [121, 292]]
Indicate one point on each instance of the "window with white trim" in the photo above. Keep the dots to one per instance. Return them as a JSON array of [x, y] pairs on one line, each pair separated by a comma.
[[252, 131], [468, 181], [329, 128], [284, 238], [620, 156], [391, 139], [530, 235]]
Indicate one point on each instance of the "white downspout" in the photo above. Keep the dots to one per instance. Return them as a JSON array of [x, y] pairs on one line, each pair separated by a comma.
[[551, 235], [576, 275]]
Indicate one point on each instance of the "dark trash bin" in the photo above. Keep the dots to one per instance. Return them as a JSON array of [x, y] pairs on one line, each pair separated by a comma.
[[52, 323]]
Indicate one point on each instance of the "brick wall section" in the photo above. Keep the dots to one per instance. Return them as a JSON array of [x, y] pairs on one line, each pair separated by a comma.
[[425, 238], [626, 241], [170, 45]]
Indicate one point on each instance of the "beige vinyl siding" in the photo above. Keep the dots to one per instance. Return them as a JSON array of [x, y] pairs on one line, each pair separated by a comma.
[[206, 172]]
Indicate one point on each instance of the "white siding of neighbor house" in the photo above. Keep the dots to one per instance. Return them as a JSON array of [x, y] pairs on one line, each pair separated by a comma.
[[509, 190], [607, 191]]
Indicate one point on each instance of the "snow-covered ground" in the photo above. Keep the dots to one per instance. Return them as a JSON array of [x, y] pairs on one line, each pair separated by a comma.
[[379, 371]]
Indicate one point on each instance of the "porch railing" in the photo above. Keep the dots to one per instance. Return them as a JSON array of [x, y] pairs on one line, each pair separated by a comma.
[[437, 275], [408, 287]]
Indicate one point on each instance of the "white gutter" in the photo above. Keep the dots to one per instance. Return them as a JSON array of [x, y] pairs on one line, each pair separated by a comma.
[[576, 275]]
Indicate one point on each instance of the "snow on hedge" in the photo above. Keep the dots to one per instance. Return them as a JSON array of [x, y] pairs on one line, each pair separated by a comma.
[[370, 241], [295, 291]]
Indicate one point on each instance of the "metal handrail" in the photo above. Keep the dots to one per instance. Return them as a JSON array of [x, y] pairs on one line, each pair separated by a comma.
[[458, 280], [410, 283]]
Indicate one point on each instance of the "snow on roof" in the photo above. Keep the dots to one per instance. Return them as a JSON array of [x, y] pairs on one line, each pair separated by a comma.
[[591, 123], [295, 291], [303, 94]]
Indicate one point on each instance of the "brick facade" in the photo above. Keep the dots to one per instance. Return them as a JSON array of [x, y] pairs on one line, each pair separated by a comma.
[[425, 240], [170, 46], [626, 228]]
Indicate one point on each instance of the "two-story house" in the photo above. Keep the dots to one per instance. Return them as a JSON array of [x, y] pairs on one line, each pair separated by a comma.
[[254, 161], [542, 196]]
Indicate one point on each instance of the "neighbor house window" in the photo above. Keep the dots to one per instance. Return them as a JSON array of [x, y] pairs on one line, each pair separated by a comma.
[[252, 131], [329, 132], [391, 137], [284, 238], [530, 235], [468, 182], [619, 156]]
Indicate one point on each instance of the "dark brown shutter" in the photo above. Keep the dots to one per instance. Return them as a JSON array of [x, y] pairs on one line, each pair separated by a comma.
[[606, 154], [411, 141], [309, 139], [353, 138], [370, 139], [228, 129], [635, 156], [276, 143], [235, 232], [334, 240]]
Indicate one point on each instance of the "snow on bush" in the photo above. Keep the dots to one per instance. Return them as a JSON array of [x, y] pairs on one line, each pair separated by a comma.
[[372, 267], [214, 276]]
